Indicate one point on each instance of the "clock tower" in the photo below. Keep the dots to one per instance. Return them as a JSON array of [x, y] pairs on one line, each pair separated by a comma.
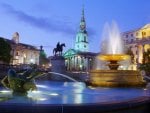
[[81, 43]]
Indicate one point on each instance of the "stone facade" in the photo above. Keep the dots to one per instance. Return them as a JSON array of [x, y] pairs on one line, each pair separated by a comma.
[[79, 61], [138, 41], [23, 53]]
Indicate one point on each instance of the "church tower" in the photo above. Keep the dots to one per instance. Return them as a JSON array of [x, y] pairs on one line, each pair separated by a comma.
[[81, 43]]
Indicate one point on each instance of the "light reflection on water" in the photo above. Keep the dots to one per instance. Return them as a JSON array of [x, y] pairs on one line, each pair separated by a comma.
[[72, 93]]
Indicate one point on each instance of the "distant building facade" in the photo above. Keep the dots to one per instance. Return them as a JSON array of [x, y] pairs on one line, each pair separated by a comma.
[[138, 41], [22, 53], [79, 58]]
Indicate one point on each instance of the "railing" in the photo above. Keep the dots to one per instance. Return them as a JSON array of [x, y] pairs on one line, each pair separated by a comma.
[[145, 40]]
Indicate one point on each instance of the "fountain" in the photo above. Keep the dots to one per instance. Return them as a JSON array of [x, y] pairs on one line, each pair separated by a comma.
[[113, 52], [27, 94]]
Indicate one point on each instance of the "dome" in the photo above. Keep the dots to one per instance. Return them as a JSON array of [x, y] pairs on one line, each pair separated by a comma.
[[16, 37]]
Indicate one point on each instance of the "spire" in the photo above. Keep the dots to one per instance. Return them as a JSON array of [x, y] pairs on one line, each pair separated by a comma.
[[82, 22], [82, 18]]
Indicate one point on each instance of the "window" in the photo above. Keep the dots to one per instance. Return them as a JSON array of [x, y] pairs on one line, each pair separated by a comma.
[[131, 35], [143, 34], [126, 36], [84, 46], [84, 38]]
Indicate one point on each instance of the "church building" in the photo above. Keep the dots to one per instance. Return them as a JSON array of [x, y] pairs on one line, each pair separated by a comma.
[[79, 58]]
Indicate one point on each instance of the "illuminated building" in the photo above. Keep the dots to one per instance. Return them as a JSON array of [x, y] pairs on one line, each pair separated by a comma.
[[81, 43], [79, 58], [22, 53], [138, 41]]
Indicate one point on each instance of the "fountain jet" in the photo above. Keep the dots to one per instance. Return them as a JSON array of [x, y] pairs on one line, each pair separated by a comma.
[[112, 46]]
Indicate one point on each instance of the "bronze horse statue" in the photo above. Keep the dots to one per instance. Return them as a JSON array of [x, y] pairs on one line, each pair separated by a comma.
[[59, 49]]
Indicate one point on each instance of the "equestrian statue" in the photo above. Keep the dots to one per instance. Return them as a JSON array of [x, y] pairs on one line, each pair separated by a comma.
[[59, 49]]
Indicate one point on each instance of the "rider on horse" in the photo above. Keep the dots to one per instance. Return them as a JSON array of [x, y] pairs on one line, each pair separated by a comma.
[[58, 45], [59, 48]]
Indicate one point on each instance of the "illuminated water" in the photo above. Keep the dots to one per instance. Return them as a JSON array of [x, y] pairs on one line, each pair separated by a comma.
[[112, 42], [72, 93], [64, 76]]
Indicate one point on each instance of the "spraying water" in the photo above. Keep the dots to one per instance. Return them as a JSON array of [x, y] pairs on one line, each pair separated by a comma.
[[112, 42], [63, 75]]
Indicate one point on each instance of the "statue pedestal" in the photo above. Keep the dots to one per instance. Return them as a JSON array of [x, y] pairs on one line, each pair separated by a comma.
[[58, 66]]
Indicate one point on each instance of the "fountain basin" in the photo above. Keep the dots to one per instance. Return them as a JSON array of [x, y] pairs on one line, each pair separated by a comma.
[[116, 78], [74, 97]]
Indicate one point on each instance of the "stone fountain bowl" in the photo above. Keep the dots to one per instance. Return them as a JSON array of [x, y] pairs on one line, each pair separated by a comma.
[[113, 57]]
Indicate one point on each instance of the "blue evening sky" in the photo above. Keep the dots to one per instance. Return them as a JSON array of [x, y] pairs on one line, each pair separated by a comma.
[[45, 22]]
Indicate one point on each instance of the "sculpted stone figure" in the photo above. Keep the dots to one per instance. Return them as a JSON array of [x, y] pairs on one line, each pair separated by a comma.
[[20, 83]]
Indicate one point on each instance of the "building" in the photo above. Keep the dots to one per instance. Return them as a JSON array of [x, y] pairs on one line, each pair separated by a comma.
[[138, 41], [81, 42], [22, 53], [79, 58]]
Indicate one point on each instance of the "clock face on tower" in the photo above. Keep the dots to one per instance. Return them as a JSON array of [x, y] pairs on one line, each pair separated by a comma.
[[82, 27]]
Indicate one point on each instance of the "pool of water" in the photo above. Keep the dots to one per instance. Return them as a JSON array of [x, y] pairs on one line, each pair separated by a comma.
[[72, 93]]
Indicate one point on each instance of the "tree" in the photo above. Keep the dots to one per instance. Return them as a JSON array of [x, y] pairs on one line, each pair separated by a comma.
[[146, 62], [146, 56], [5, 50], [43, 59]]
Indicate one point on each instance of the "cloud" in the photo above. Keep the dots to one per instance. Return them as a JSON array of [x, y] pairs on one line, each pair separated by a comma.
[[45, 24], [42, 23]]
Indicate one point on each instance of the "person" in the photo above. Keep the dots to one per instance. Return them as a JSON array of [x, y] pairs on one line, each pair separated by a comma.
[[58, 45]]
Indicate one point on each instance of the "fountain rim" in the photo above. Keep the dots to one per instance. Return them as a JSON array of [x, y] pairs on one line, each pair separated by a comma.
[[113, 57], [113, 105]]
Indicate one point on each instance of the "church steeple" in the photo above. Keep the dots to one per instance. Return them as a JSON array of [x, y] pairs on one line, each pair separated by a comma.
[[82, 37], [82, 22]]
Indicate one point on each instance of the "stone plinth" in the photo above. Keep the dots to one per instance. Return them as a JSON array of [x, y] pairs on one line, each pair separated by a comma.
[[116, 78], [58, 66]]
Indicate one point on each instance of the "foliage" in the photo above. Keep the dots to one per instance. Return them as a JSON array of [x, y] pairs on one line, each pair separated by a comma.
[[5, 50], [146, 56], [146, 62], [43, 59], [145, 67]]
